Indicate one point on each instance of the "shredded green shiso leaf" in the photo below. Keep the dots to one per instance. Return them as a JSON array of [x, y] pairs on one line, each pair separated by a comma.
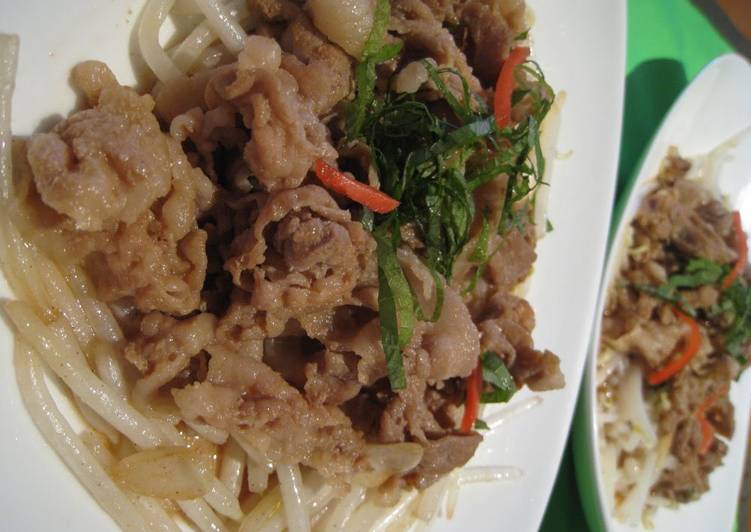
[[481, 425], [735, 304], [495, 373], [432, 164]]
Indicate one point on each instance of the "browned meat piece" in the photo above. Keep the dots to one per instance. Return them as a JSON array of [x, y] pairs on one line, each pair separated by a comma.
[[244, 327], [407, 414], [491, 35], [129, 196], [703, 297], [672, 214], [443, 10], [690, 477], [424, 34], [341, 332], [322, 70], [721, 417], [625, 308], [159, 273], [303, 252], [506, 329], [107, 164], [164, 349], [505, 337], [513, 262], [332, 378], [652, 341], [289, 355], [691, 388], [448, 348], [513, 308], [453, 342], [215, 130], [276, 10], [286, 136], [244, 394], [493, 339], [91, 77], [539, 370], [180, 95], [673, 168], [441, 456]]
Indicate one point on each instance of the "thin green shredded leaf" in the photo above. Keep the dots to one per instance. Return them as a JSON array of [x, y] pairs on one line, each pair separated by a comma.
[[480, 253], [374, 42], [738, 298], [698, 272], [667, 294], [457, 139], [463, 109], [374, 52], [368, 219], [534, 141], [548, 226], [395, 306], [439, 295], [495, 373], [481, 425]]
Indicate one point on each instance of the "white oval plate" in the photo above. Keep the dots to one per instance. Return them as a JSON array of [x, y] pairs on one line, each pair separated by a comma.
[[581, 46], [714, 108]]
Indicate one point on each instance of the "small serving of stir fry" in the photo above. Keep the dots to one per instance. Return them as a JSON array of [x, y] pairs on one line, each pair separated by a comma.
[[676, 333]]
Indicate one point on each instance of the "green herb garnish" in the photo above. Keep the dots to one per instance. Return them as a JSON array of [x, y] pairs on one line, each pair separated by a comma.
[[480, 253], [495, 373], [698, 272], [432, 164], [395, 307], [481, 425], [737, 298], [374, 52], [665, 293], [439, 296]]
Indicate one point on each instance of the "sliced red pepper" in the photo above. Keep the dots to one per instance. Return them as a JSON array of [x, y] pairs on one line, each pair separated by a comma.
[[472, 400], [504, 87], [707, 430], [372, 198], [707, 435], [741, 247], [692, 344]]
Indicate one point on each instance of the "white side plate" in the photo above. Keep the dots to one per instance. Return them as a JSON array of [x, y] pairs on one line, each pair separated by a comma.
[[714, 108], [581, 47]]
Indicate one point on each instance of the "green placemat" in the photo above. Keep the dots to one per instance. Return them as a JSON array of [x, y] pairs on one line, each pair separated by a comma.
[[669, 41]]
